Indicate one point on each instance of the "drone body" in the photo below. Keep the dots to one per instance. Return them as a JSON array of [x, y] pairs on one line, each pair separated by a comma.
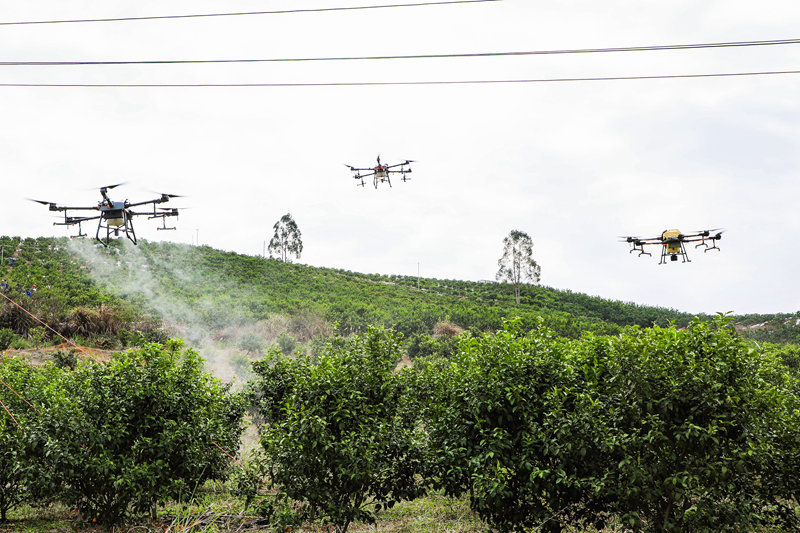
[[114, 216], [673, 243], [381, 173]]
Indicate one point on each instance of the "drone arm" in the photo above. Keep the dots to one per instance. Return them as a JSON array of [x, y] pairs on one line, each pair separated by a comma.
[[69, 221], [164, 198]]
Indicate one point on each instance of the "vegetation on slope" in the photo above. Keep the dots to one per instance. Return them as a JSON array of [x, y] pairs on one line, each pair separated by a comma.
[[108, 294]]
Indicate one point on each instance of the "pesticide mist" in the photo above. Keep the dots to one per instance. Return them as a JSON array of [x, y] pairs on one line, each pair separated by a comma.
[[164, 279]]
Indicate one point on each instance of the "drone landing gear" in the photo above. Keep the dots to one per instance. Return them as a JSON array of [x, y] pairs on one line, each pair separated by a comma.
[[673, 255], [707, 247], [80, 233], [126, 226], [376, 180]]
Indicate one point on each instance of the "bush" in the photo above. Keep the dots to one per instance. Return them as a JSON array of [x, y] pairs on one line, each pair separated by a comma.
[[424, 345], [494, 415], [339, 436], [701, 430], [241, 365], [252, 343], [286, 343], [144, 428], [65, 360], [7, 336], [24, 473], [667, 430]]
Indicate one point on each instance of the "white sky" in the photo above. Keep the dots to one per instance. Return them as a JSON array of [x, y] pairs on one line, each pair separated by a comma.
[[572, 164]]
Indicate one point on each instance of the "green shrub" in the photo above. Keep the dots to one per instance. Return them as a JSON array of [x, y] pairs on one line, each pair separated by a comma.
[[664, 430], [144, 428], [286, 343], [339, 436], [24, 473], [65, 360], [424, 345], [37, 335], [252, 343], [494, 415], [701, 430], [7, 336], [241, 364]]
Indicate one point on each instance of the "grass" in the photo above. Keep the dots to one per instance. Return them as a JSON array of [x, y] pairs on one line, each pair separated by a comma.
[[434, 513], [215, 510]]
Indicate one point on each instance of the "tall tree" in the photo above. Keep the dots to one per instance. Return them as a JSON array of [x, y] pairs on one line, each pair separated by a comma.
[[286, 240], [517, 265]]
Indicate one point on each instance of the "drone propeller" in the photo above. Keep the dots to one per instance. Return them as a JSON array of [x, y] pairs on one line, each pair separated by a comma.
[[114, 186], [707, 232], [43, 202]]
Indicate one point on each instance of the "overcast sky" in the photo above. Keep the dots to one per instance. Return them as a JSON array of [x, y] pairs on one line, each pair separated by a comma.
[[573, 164]]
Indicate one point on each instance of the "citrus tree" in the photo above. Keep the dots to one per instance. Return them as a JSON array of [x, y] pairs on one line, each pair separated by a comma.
[[146, 427], [338, 434], [24, 475]]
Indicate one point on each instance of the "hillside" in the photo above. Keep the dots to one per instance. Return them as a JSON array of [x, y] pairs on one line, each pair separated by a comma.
[[203, 293]]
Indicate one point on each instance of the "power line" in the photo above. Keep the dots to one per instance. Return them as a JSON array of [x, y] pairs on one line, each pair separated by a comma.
[[277, 12], [399, 83], [416, 56]]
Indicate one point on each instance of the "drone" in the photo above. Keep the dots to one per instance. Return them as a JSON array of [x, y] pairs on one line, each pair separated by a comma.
[[381, 173], [114, 217], [673, 243]]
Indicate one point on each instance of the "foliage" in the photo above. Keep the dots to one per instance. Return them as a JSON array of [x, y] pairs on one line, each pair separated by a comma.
[[6, 338], [252, 343], [286, 343], [24, 476], [339, 435], [286, 240], [85, 321], [251, 483], [775, 328], [517, 264], [141, 429], [666, 429], [694, 420], [222, 289], [66, 298], [37, 335], [65, 360], [424, 345], [787, 354], [495, 420]]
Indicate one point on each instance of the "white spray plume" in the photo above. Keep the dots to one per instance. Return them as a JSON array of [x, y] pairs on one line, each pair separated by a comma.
[[156, 273]]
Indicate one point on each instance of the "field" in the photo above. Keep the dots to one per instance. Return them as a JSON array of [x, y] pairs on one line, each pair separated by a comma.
[[302, 396]]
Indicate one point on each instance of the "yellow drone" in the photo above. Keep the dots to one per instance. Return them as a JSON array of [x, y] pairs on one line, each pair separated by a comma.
[[673, 242]]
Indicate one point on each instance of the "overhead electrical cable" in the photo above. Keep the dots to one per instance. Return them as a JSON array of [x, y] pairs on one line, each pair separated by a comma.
[[695, 46], [246, 13], [404, 83]]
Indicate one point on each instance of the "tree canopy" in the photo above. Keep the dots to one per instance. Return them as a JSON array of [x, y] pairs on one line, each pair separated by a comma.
[[517, 265], [287, 239]]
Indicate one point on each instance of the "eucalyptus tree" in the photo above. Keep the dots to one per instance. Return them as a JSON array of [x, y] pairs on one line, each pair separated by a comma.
[[286, 240], [517, 265]]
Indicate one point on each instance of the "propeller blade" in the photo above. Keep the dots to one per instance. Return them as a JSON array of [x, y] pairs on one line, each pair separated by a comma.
[[40, 201]]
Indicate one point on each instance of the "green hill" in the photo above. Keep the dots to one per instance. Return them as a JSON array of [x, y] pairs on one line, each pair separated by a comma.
[[200, 293]]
